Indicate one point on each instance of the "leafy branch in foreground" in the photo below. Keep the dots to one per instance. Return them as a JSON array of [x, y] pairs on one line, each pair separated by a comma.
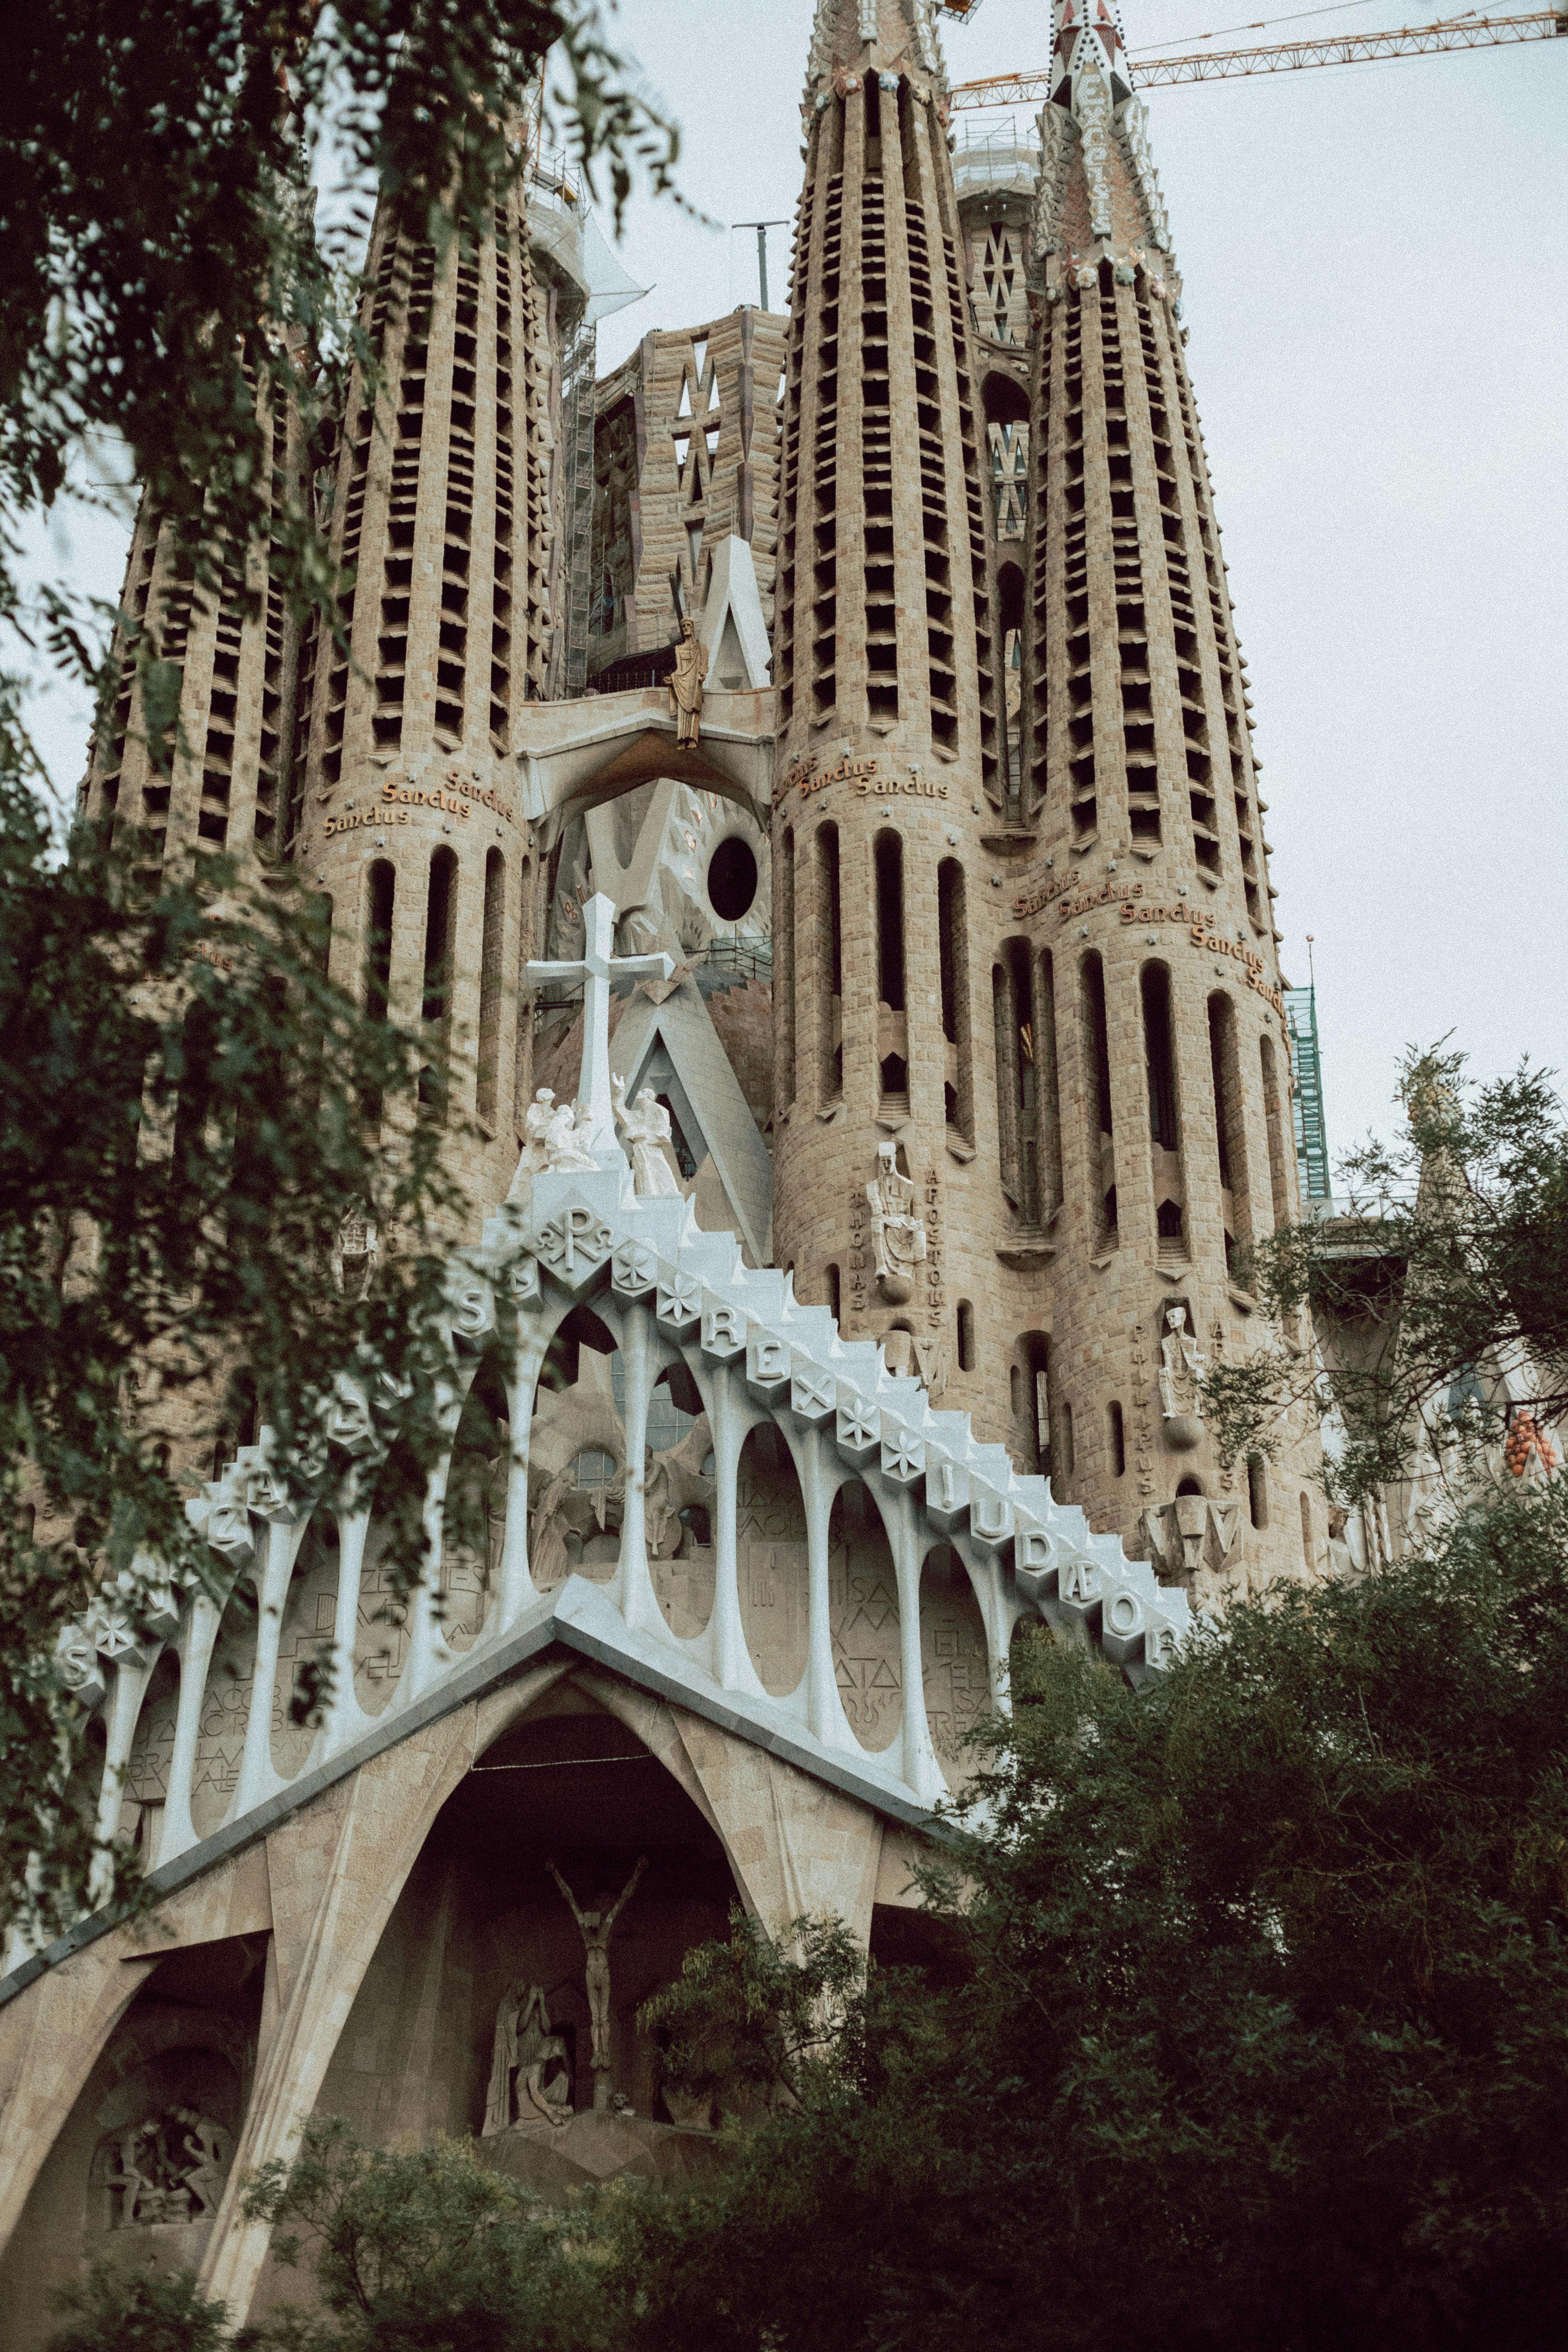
[[1258, 2036], [163, 283], [1448, 1268], [752, 2017], [189, 1111], [425, 2247]]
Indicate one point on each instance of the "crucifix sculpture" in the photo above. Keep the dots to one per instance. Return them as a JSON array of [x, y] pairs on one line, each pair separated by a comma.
[[596, 968]]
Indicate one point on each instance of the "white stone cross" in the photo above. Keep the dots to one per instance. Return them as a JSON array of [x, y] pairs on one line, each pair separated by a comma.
[[598, 966]]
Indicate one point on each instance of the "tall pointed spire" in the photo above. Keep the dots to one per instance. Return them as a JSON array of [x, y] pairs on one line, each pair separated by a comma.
[[891, 737], [1145, 992], [1093, 113]]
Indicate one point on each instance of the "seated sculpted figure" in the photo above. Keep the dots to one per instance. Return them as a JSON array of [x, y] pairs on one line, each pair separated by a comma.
[[898, 1233]]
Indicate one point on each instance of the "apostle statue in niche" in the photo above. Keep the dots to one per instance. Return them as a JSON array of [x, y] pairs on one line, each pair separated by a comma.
[[646, 1126], [898, 1233], [595, 1928], [686, 683], [1182, 1369], [530, 2078]]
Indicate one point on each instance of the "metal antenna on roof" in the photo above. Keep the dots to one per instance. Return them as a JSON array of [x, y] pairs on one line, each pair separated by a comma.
[[761, 228]]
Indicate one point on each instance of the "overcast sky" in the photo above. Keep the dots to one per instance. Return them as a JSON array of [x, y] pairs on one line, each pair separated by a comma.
[[1374, 260]]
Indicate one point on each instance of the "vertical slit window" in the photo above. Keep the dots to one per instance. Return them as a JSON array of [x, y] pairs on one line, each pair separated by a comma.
[[1021, 1077], [380, 899], [434, 1005], [1097, 1049], [830, 994], [784, 973], [1048, 1093], [892, 1039], [1165, 1130], [1306, 1530], [835, 1298], [491, 985], [1230, 1128], [965, 1336], [1118, 1431], [1277, 1178], [958, 1090], [1256, 1491], [1159, 1056]]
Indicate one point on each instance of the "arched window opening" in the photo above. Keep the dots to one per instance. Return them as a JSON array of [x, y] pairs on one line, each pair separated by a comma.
[[1188, 1486], [965, 1336], [1257, 1490], [1069, 1459], [490, 985], [1031, 1400], [831, 992], [1118, 1441]]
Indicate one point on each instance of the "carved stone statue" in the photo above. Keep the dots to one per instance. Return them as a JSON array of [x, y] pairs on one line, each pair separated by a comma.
[[686, 683], [565, 1140], [595, 1928], [536, 1130], [529, 2075], [646, 1126], [172, 2167], [355, 1253], [1182, 1369], [898, 1233]]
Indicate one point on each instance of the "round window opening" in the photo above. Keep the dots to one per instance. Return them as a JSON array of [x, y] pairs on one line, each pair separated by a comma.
[[732, 879]]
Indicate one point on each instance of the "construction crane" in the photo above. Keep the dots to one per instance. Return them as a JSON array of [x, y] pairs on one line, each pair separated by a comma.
[[1032, 87]]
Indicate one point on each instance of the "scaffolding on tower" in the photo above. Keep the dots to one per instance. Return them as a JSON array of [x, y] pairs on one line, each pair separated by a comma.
[[1307, 1097], [578, 372]]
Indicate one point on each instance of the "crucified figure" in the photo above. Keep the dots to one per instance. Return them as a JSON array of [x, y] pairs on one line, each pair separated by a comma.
[[597, 1927]]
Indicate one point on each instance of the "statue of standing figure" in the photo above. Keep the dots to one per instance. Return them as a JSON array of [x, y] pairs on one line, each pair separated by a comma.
[[1182, 1371], [686, 683], [898, 1233], [646, 1126], [595, 1928]]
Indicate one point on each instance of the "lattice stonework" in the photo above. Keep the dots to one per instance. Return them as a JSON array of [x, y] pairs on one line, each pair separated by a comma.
[[997, 296]]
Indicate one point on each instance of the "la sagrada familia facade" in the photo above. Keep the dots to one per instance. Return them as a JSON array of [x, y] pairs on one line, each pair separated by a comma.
[[805, 781]]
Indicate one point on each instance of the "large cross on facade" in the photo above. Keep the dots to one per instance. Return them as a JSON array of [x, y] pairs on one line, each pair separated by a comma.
[[596, 968]]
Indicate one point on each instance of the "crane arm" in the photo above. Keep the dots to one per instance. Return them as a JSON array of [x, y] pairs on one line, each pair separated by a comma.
[[1026, 88]]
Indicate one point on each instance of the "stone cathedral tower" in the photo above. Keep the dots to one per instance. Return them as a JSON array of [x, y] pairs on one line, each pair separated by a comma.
[[1043, 969], [891, 740], [1145, 1088], [443, 510]]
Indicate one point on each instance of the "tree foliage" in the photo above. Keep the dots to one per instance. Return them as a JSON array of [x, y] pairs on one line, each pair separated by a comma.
[[121, 2309], [1447, 1267], [188, 1110], [425, 2250], [1262, 2037], [753, 2018], [162, 276]]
